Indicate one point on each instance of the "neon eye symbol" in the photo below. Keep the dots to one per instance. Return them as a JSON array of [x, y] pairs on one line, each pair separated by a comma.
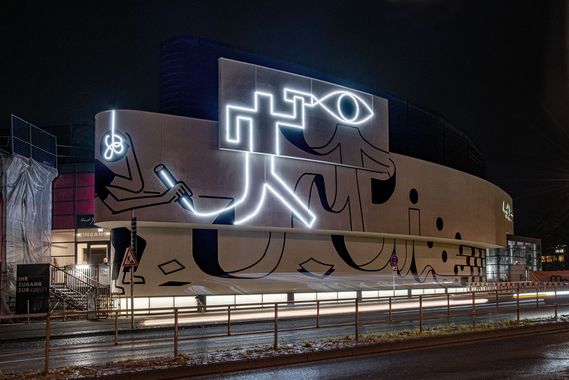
[[346, 107]]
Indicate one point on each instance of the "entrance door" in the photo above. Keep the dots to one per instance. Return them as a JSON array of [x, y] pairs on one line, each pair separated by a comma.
[[92, 252], [98, 253]]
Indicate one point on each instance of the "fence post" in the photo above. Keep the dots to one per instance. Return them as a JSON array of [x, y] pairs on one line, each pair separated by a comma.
[[318, 314], [64, 309], [518, 304], [175, 332], [421, 314], [556, 304], [47, 337], [229, 320], [390, 309], [473, 309], [276, 342], [357, 322], [116, 327], [497, 302]]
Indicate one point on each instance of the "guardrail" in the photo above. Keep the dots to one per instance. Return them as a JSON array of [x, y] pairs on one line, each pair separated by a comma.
[[380, 311]]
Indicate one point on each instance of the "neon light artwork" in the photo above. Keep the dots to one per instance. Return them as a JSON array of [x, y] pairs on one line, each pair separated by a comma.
[[114, 145], [239, 117], [168, 180], [507, 210]]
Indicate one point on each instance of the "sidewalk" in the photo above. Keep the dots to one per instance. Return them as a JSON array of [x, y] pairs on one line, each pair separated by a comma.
[[20, 331]]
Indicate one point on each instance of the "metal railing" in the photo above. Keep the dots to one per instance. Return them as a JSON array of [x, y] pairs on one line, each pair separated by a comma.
[[378, 311], [72, 285]]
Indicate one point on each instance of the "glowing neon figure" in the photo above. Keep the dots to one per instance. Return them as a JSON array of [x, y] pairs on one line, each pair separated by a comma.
[[238, 117], [113, 143]]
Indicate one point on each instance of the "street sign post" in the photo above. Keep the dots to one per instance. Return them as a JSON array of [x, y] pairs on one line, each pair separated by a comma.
[[130, 261], [394, 261]]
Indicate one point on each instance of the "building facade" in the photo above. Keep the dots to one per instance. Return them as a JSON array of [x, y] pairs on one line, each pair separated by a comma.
[[293, 189], [514, 262]]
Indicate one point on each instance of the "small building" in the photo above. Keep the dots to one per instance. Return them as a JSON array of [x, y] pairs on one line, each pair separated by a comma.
[[514, 262]]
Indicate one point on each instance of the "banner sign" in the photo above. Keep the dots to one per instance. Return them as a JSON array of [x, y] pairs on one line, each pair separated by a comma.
[[32, 285]]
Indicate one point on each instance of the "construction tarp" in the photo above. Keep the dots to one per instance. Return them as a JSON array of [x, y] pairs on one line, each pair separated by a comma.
[[26, 195]]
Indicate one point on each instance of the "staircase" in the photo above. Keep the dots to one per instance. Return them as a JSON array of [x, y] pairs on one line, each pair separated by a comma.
[[79, 287]]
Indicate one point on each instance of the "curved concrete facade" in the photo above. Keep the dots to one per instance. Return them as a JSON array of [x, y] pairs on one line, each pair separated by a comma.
[[317, 203]]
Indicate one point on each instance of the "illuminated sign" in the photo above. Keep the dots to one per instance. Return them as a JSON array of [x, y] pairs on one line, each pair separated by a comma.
[[507, 210]]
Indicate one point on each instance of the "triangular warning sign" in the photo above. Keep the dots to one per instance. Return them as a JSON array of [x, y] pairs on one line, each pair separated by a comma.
[[129, 260]]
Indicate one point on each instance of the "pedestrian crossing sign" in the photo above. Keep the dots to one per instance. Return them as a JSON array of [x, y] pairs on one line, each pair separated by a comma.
[[129, 259]]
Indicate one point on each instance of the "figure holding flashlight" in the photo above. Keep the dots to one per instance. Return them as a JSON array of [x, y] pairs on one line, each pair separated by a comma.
[[121, 192]]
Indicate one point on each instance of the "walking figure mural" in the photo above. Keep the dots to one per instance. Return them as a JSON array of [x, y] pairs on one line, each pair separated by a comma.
[[299, 168]]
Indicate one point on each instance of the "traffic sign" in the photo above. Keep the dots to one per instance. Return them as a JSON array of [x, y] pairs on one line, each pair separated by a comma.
[[129, 259], [394, 260]]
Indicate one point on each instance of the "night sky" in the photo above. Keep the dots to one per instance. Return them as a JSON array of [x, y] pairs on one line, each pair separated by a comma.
[[495, 69]]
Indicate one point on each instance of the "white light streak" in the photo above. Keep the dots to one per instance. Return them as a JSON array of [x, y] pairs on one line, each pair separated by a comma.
[[307, 310]]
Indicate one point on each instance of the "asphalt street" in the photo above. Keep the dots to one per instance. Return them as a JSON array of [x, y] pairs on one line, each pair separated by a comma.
[[534, 357], [97, 347]]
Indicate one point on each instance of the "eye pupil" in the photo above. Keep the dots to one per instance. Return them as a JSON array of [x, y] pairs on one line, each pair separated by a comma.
[[348, 107]]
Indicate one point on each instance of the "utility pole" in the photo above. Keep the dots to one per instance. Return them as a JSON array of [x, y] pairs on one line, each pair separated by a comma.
[[133, 250]]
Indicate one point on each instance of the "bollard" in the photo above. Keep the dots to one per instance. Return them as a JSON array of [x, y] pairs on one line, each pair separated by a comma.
[[28, 310], [64, 310], [448, 304], [390, 309], [116, 327], [175, 333], [537, 296], [497, 302], [473, 309], [518, 304], [276, 342], [357, 322], [228, 320], [421, 314], [317, 314], [555, 304], [47, 337]]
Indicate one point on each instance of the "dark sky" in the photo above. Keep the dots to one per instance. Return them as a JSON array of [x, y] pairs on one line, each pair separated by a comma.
[[495, 69]]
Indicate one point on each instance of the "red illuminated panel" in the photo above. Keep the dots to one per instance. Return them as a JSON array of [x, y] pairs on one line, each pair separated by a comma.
[[63, 222], [85, 193], [85, 207], [64, 180]]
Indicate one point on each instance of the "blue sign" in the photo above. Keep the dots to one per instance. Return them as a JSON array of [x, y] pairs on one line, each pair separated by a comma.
[[394, 260]]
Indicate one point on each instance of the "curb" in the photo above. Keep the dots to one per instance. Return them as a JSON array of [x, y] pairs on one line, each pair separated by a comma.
[[386, 348]]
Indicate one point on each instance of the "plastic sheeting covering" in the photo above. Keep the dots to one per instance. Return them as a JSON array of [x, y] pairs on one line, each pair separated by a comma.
[[26, 191]]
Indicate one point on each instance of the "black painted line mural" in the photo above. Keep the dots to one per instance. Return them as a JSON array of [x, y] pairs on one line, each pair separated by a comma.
[[175, 283], [280, 157], [315, 268], [171, 266], [206, 255]]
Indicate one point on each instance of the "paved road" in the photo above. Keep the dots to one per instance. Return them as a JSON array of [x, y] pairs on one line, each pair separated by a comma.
[[144, 344], [536, 357]]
